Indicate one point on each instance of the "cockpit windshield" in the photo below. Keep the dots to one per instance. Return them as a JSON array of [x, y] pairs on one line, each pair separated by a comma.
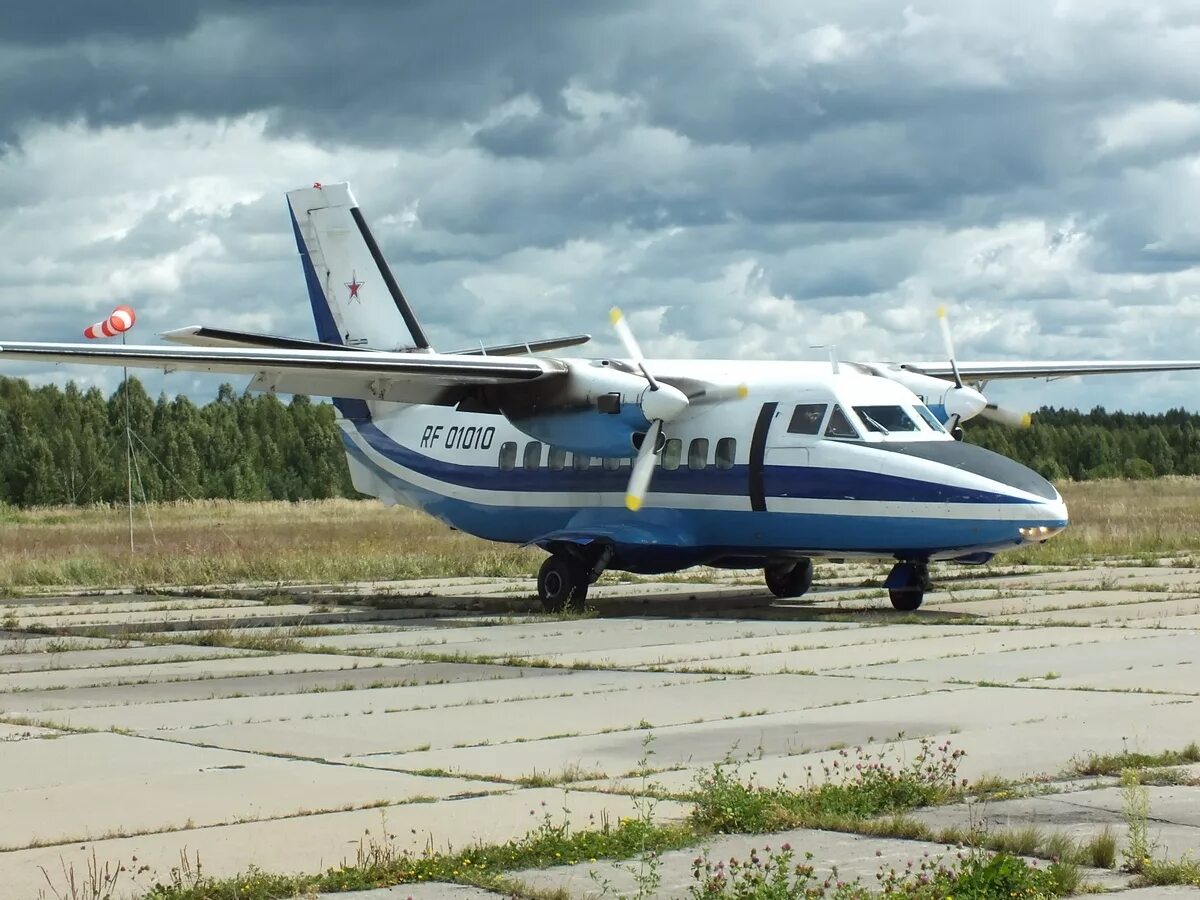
[[886, 419], [839, 425]]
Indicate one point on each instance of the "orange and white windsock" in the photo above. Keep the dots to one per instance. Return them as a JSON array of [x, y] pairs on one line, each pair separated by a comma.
[[119, 322]]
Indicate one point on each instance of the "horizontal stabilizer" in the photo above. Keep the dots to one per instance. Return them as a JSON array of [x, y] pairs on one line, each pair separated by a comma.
[[203, 336], [573, 340]]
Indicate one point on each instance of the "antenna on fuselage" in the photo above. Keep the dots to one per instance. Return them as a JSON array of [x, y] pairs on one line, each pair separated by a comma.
[[833, 360]]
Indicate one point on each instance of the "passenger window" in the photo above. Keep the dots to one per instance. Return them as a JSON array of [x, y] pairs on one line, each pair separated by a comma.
[[557, 459], [698, 453], [582, 462], [533, 455], [886, 419], [726, 451], [508, 456], [672, 452], [611, 463], [807, 418], [839, 426]]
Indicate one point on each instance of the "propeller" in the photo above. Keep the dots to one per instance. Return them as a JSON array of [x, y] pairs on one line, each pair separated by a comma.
[[661, 403], [963, 402]]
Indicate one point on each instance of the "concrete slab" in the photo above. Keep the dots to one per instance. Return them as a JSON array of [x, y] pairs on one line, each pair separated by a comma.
[[311, 843], [421, 891], [855, 857], [426, 686], [612, 754], [1174, 824], [1118, 657], [1143, 614], [538, 638], [1013, 733], [114, 656], [187, 670], [86, 785], [1008, 606], [868, 659], [152, 694], [657, 701]]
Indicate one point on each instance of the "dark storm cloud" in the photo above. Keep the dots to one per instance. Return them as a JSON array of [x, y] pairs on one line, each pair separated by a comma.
[[744, 169]]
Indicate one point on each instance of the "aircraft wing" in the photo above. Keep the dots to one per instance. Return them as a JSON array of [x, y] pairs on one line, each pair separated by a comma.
[[992, 371], [401, 377]]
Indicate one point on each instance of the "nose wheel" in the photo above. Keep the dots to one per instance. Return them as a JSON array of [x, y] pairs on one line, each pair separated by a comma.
[[907, 584], [563, 584], [789, 578]]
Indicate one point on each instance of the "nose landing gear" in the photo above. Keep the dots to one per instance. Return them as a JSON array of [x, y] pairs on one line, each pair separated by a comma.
[[907, 584]]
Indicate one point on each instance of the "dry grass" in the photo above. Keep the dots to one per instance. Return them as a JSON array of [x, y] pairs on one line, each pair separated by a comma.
[[213, 542], [222, 542], [1158, 518]]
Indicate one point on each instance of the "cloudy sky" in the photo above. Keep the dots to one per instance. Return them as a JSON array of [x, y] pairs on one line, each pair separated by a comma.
[[746, 179]]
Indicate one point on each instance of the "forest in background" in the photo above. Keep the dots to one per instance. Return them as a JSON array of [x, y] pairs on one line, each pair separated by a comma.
[[68, 446]]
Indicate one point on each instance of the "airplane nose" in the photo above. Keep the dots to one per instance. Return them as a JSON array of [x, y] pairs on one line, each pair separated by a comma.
[[985, 464]]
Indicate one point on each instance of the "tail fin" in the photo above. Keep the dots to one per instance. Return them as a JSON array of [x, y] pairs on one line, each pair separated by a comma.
[[355, 299]]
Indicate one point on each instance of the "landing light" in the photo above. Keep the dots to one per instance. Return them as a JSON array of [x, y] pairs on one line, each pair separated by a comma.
[[1038, 532]]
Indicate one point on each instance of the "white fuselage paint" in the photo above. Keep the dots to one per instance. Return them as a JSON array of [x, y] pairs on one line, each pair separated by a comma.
[[449, 463]]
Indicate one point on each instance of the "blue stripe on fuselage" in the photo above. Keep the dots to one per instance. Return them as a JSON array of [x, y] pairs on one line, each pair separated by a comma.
[[805, 482], [707, 534]]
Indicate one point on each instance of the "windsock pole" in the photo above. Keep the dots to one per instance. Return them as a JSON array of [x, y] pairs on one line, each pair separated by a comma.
[[121, 320], [128, 448]]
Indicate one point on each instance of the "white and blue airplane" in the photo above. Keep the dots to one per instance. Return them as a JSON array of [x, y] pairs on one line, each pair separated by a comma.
[[642, 465]]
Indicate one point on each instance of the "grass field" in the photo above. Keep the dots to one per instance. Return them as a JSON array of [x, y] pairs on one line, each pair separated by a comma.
[[219, 542]]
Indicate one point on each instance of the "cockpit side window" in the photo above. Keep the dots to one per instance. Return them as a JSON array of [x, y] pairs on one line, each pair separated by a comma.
[[886, 419], [807, 418], [930, 419], [839, 425]]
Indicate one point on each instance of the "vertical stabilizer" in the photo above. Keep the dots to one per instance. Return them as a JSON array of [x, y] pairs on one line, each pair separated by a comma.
[[354, 297]]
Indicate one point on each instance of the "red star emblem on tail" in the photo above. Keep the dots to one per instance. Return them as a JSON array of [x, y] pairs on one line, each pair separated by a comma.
[[354, 284]]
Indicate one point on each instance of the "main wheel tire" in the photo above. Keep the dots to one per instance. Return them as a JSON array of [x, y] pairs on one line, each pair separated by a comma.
[[908, 596], [906, 599], [562, 583], [790, 581]]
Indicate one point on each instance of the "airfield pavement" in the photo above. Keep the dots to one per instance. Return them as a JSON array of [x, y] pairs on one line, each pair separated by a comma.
[[124, 731]]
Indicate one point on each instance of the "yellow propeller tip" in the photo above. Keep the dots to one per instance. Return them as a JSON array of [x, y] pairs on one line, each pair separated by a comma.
[[632, 503], [1026, 420], [615, 314], [743, 392], [941, 312]]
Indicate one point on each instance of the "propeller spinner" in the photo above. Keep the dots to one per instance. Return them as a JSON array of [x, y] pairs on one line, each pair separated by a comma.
[[963, 402]]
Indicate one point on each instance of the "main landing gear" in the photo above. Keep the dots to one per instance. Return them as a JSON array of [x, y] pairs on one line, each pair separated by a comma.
[[907, 584], [565, 576], [789, 578]]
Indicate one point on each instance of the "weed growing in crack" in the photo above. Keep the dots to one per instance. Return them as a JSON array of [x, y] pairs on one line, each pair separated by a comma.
[[859, 784], [1135, 805]]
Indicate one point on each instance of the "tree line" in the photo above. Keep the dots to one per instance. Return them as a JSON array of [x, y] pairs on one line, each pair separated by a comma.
[[66, 445], [1067, 443]]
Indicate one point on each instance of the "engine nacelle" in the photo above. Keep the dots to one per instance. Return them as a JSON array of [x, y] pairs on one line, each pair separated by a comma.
[[596, 410]]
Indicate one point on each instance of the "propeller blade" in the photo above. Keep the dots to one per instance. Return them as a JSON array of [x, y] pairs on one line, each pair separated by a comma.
[[718, 393], [1015, 418], [643, 468], [948, 341], [631, 344]]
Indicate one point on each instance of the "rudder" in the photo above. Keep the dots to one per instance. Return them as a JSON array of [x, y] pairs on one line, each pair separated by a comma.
[[355, 299]]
